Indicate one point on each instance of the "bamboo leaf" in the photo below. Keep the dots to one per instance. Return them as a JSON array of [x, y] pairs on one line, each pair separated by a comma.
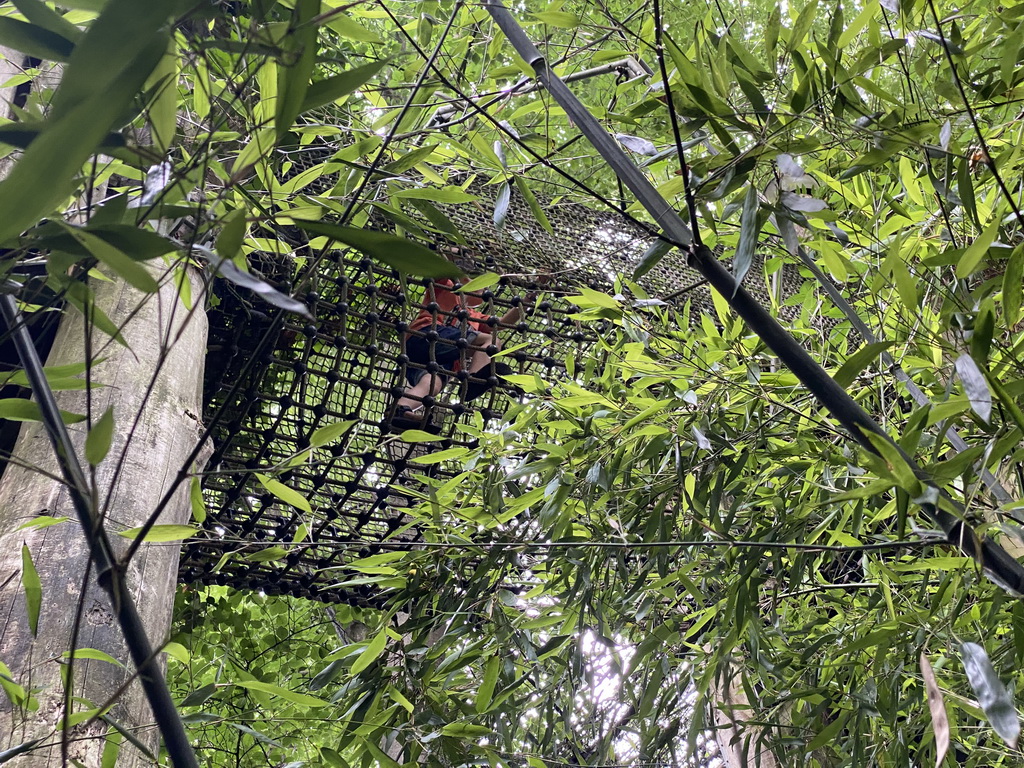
[[937, 708], [749, 229], [41, 15], [975, 386], [288, 495], [284, 693], [478, 283], [19, 409], [501, 205], [230, 271], [161, 533], [535, 208], [1013, 278], [374, 649], [34, 40], [637, 144], [333, 88], [123, 266], [485, 693], [993, 696], [435, 194], [654, 253], [33, 589], [330, 432], [978, 249], [198, 504], [858, 361], [101, 434], [404, 255], [419, 436]]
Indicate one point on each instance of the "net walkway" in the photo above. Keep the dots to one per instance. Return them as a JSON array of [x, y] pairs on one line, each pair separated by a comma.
[[347, 367]]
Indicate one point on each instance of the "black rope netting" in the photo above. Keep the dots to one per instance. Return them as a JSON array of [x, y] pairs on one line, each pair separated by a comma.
[[347, 367]]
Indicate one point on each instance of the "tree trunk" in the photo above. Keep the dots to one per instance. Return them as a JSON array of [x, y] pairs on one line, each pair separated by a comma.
[[165, 354], [739, 740]]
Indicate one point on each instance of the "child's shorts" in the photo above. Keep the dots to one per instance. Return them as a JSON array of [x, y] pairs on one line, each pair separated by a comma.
[[446, 354]]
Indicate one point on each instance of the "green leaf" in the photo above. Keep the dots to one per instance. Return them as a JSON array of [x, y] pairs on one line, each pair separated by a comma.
[[975, 386], [749, 229], [195, 496], [33, 589], [374, 649], [348, 27], [199, 695], [259, 146], [901, 470], [162, 109], [327, 675], [978, 250], [267, 555], [101, 434], [162, 533], [293, 83], [858, 361], [404, 255], [233, 226], [111, 749], [18, 409], [561, 19], [440, 456], [288, 495], [803, 24], [41, 15], [501, 205], [34, 40], [466, 730], [485, 693], [434, 194], [177, 651], [330, 432], [419, 436], [859, 22], [410, 159], [531, 200], [92, 654], [129, 269], [276, 690], [1013, 278], [478, 283], [42, 521], [333, 88], [654, 253], [993, 696]]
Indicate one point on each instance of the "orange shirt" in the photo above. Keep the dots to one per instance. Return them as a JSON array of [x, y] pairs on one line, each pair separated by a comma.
[[449, 302]]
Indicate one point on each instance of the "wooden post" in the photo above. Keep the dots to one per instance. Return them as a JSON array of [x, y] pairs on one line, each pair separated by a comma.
[[154, 387]]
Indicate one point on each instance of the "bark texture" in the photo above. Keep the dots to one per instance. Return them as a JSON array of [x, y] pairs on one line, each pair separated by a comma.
[[154, 387], [739, 740]]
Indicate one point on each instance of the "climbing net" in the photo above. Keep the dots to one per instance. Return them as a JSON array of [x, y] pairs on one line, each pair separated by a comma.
[[342, 372]]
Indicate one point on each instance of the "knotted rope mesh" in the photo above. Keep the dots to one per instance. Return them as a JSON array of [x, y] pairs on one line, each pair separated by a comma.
[[346, 367]]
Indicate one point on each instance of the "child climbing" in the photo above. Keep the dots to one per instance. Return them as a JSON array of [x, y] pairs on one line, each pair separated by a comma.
[[450, 332]]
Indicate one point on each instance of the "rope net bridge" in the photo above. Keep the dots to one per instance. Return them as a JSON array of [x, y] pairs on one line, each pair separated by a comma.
[[348, 366]]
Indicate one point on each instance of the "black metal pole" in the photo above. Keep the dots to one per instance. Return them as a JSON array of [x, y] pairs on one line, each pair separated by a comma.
[[109, 574], [997, 562]]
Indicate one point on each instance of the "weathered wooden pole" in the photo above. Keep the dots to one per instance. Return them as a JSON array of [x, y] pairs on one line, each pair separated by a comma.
[[153, 384]]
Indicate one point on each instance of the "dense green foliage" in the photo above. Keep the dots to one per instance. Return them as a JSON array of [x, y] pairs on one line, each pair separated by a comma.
[[678, 504]]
